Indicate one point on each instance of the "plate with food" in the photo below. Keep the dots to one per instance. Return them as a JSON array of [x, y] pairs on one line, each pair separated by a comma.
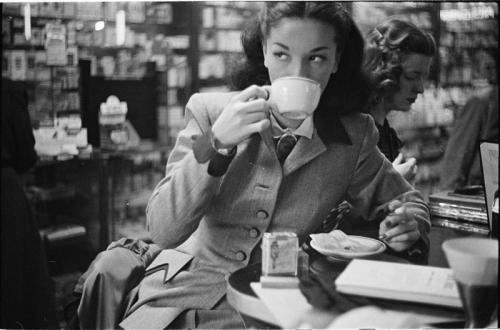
[[337, 244]]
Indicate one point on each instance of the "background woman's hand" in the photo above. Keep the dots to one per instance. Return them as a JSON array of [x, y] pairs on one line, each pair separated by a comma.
[[408, 168], [247, 113], [399, 230]]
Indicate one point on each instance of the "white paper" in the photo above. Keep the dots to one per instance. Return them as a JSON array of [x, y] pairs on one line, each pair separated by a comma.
[[288, 306]]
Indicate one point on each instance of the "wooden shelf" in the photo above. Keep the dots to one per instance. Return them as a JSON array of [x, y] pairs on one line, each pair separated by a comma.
[[23, 47], [214, 82]]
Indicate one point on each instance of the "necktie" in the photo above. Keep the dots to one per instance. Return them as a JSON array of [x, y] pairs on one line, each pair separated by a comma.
[[285, 145]]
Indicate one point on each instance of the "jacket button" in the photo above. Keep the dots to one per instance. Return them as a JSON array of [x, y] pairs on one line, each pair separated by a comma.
[[254, 232], [240, 255], [261, 214]]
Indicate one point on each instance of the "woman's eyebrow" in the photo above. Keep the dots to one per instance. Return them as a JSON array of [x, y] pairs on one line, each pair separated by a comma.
[[311, 51], [281, 45], [320, 48]]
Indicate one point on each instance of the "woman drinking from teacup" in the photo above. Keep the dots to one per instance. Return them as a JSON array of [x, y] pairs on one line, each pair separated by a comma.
[[225, 186]]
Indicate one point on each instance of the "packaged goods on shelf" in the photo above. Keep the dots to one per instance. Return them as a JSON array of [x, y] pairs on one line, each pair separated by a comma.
[[175, 116], [69, 9], [136, 12], [208, 16], [12, 8], [228, 18], [53, 141], [448, 204], [6, 64], [30, 65], [212, 66], [178, 41], [6, 32], [17, 64], [37, 37], [159, 13], [229, 41], [162, 115], [110, 9], [460, 225], [89, 10]]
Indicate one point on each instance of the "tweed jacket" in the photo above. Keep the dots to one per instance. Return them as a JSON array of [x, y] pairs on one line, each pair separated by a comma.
[[221, 220]]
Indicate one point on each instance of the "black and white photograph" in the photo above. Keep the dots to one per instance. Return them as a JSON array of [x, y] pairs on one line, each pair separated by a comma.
[[249, 164]]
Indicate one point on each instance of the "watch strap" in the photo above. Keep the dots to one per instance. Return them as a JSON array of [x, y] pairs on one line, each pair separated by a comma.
[[204, 151]]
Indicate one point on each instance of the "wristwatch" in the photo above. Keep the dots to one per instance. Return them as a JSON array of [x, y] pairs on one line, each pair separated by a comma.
[[222, 151], [204, 149]]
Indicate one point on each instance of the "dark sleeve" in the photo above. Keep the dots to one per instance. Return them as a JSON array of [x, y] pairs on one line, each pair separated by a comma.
[[18, 141], [388, 142], [204, 151], [462, 146]]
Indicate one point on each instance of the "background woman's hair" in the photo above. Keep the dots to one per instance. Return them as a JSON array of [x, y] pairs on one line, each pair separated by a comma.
[[349, 89], [386, 47]]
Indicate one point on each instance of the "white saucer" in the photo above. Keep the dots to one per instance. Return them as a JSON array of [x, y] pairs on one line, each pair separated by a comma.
[[371, 247]]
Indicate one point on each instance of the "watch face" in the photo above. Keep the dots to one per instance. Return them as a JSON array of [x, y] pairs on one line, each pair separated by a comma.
[[224, 151]]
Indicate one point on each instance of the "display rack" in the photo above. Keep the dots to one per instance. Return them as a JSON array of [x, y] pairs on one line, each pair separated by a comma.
[[155, 31], [220, 48], [468, 43]]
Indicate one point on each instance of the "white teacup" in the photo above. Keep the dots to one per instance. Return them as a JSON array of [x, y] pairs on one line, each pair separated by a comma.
[[295, 97]]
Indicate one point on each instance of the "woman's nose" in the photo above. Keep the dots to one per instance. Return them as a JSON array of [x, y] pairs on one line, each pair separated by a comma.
[[299, 69], [419, 86]]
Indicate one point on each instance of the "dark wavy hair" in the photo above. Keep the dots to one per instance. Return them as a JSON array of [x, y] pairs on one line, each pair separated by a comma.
[[347, 90], [386, 48]]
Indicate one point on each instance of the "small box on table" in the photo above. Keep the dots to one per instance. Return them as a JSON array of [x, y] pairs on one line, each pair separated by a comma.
[[279, 259]]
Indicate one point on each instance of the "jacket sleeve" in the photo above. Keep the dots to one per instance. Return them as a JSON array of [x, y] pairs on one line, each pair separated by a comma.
[[462, 146], [181, 198], [375, 183]]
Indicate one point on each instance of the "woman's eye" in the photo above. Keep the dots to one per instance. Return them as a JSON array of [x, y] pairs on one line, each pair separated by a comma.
[[280, 55], [317, 58], [410, 76]]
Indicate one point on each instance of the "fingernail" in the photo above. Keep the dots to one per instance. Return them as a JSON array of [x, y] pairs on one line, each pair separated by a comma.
[[383, 236], [399, 210]]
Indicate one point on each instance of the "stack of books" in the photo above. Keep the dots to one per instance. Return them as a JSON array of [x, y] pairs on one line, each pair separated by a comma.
[[459, 211]]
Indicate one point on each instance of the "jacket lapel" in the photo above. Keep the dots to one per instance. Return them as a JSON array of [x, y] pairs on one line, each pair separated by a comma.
[[305, 151], [268, 140]]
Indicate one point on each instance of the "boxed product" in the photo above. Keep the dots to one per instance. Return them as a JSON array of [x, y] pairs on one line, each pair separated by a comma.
[[280, 254], [136, 12], [17, 65], [30, 65], [69, 9], [6, 63]]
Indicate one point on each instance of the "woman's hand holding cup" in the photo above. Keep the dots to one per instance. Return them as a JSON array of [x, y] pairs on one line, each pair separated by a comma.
[[247, 113]]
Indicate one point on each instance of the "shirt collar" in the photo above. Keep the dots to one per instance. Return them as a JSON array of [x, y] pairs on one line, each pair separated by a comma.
[[305, 129]]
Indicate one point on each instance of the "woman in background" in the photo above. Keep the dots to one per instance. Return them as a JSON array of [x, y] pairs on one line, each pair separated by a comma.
[[477, 121], [398, 57]]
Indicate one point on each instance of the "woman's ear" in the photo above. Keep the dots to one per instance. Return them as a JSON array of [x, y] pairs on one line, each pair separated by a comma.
[[336, 64]]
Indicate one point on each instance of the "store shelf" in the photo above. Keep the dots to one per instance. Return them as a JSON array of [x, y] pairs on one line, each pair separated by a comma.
[[213, 82]]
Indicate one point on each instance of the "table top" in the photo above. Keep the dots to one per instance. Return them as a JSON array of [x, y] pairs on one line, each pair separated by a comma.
[[241, 296]]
